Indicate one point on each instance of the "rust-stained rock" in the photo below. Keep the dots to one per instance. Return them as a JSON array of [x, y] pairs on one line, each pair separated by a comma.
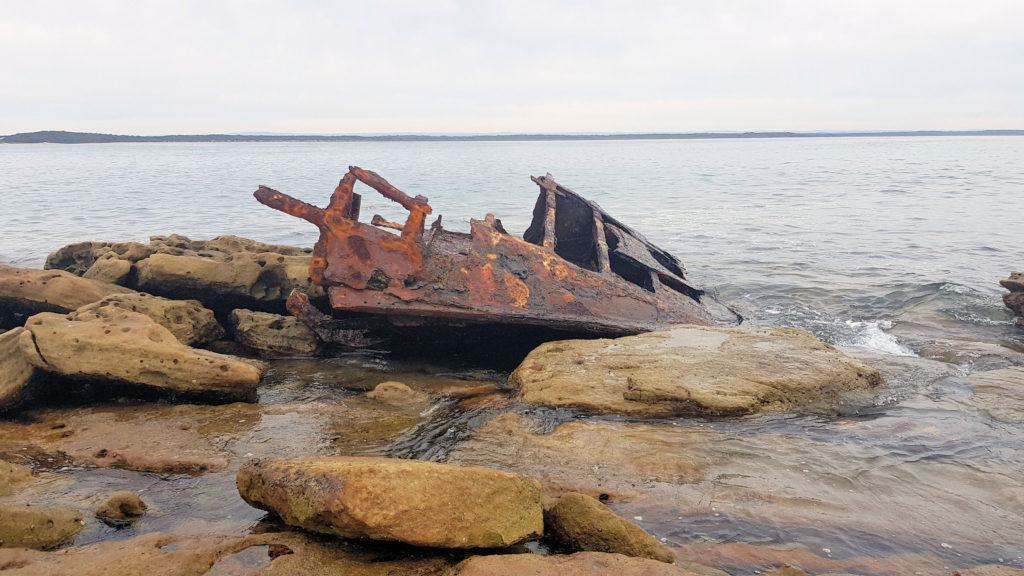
[[576, 269], [420, 503], [189, 322], [689, 370], [128, 347], [24, 292], [18, 362], [38, 527], [579, 564], [579, 523], [272, 335]]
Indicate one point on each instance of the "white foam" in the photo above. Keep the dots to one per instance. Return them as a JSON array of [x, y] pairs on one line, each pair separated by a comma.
[[872, 336]]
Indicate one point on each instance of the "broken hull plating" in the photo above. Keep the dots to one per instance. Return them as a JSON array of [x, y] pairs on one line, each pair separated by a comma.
[[435, 276]]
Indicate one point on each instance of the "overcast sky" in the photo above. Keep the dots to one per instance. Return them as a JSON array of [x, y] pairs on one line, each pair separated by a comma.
[[474, 66]]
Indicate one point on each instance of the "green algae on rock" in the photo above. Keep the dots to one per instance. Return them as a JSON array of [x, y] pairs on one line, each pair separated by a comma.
[[691, 370], [416, 502]]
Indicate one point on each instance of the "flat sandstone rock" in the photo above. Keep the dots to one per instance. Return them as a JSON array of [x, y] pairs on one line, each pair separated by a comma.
[[579, 564], [25, 291], [691, 370], [420, 503]]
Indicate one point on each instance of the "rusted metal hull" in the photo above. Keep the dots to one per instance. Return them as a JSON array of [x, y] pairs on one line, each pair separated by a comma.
[[577, 270]]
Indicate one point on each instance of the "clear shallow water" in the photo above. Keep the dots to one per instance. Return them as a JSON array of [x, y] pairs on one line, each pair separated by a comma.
[[895, 245]]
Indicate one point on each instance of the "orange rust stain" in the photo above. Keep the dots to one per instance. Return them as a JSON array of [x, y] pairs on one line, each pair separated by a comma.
[[518, 292]]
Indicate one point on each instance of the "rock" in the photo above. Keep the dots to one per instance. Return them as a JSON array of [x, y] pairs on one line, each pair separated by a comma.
[[1015, 302], [273, 335], [128, 347], [226, 272], [18, 361], [24, 292], [79, 257], [38, 527], [13, 477], [992, 570], [420, 503], [1000, 393], [578, 523], [689, 370], [121, 509], [110, 268], [157, 554], [187, 320], [581, 564], [786, 571], [396, 394], [1015, 283]]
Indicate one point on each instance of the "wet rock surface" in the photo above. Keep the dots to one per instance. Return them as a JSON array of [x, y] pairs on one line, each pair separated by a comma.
[[273, 335], [119, 345], [578, 522], [1000, 393], [691, 371], [13, 477], [416, 502], [24, 292], [580, 564], [121, 509]]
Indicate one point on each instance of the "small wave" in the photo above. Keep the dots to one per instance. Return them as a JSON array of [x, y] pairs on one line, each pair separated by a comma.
[[871, 335]]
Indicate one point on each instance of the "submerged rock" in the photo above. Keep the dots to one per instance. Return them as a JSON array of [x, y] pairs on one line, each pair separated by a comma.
[[187, 320], [128, 347], [24, 292], [1000, 393], [272, 335], [578, 522], [579, 564], [690, 370], [18, 361], [121, 509], [420, 503], [397, 394], [38, 527]]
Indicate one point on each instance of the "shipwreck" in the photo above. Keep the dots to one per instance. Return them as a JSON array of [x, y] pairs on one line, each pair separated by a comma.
[[576, 270]]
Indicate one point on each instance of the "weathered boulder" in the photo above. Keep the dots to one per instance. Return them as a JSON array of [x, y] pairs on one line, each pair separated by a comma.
[[189, 322], [420, 503], [18, 361], [397, 394], [13, 477], [1015, 302], [1015, 283], [124, 346], [689, 370], [273, 335], [579, 564], [580, 523], [79, 257], [24, 292], [1000, 393], [121, 509], [39, 527], [223, 273], [110, 268]]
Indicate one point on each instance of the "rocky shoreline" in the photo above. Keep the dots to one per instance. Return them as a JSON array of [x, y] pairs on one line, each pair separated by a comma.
[[114, 358]]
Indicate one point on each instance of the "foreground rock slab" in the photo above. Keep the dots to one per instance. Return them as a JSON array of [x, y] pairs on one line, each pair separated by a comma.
[[24, 292], [38, 527], [124, 346], [581, 523], [420, 503], [581, 563], [691, 370]]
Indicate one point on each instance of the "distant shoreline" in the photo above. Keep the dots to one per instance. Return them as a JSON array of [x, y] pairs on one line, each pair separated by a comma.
[[62, 137]]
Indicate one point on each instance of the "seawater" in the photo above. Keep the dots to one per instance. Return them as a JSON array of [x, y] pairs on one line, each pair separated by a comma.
[[891, 246]]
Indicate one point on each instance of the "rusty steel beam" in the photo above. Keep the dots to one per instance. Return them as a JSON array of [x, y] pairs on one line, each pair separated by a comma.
[[575, 269]]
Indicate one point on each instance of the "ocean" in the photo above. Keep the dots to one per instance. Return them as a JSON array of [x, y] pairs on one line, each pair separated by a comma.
[[889, 245]]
